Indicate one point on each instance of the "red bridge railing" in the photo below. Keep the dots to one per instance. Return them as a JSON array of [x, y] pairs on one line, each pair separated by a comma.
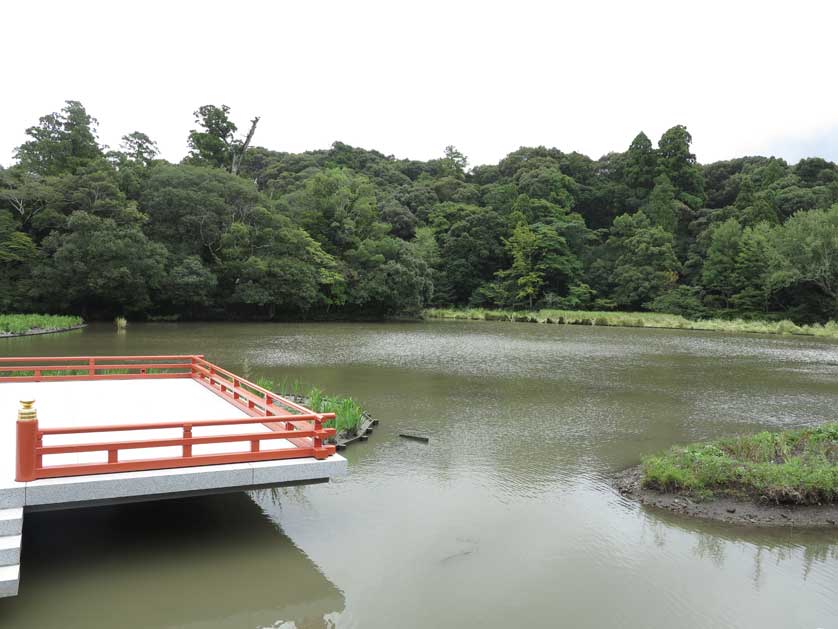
[[287, 420]]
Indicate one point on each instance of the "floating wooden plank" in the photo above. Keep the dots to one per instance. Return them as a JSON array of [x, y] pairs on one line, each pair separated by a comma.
[[415, 437]]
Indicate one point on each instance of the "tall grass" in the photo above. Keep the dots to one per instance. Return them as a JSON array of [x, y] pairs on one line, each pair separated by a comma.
[[22, 323], [348, 413], [794, 466], [635, 320]]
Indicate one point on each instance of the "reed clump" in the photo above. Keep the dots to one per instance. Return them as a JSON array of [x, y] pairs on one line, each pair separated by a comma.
[[348, 413]]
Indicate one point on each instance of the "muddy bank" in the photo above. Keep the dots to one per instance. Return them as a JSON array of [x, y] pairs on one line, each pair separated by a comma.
[[726, 509], [38, 331]]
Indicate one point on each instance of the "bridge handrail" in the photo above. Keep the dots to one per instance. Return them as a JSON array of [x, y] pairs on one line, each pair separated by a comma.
[[302, 427]]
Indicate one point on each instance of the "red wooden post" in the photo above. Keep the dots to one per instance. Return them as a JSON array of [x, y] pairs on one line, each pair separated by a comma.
[[91, 366], [113, 456], [187, 434], [27, 440], [39, 458], [319, 451]]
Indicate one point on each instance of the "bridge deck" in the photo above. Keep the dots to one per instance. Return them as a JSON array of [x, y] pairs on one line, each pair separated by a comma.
[[119, 429], [78, 403]]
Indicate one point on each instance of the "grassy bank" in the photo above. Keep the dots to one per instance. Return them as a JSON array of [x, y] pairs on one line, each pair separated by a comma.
[[635, 320], [11, 324], [789, 467], [348, 413]]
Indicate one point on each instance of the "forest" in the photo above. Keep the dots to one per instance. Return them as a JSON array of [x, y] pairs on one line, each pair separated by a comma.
[[236, 231]]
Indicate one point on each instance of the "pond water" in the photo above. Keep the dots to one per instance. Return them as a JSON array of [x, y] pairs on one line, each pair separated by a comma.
[[505, 519]]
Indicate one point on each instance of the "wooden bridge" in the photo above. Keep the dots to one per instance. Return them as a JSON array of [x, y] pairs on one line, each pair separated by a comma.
[[106, 429]]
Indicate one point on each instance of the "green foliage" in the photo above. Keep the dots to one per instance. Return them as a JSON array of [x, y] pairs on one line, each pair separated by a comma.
[[681, 300], [720, 268], [796, 467], [662, 209], [270, 263], [645, 265], [640, 166], [680, 166], [637, 320], [348, 232], [140, 148], [60, 142], [541, 262], [22, 323], [348, 413], [807, 248], [190, 208], [99, 266], [213, 144]]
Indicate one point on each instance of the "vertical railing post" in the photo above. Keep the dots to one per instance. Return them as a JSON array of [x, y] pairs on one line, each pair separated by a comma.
[[319, 450], [187, 434], [39, 458], [27, 441], [91, 366]]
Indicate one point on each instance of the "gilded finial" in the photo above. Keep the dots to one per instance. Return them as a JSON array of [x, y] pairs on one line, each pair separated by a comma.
[[26, 412]]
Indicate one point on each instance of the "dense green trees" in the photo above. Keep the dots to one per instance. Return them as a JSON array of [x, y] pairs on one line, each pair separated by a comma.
[[234, 231]]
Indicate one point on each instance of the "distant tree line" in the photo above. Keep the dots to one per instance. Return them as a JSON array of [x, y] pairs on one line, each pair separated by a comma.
[[233, 232]]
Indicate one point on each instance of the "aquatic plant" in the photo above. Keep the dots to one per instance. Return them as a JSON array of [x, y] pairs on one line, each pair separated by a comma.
[[348, 413]]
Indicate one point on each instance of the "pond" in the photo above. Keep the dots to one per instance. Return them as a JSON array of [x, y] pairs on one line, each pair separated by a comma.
[[505, 519]]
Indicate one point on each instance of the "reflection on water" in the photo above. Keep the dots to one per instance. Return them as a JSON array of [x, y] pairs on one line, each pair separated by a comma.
[[504, 519], [201, 562], [812, 551]]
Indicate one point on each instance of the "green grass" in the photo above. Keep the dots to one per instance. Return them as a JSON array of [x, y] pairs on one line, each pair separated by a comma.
[[348, 413], [21, 323], [789, 467], [635, 320]]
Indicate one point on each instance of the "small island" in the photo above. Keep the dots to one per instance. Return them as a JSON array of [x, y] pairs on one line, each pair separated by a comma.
[[787, 478], [28, 324]]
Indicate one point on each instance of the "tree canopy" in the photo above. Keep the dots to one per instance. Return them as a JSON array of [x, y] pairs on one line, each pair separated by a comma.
[[248, 232]]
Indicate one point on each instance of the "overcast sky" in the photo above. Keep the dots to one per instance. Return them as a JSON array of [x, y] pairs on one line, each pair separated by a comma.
[[409, 78]]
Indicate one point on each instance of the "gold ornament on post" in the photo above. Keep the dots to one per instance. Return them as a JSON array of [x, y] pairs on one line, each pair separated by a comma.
[[26, 413]]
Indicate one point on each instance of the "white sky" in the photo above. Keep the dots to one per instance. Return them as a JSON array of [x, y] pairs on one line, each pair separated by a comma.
[[408, 78]]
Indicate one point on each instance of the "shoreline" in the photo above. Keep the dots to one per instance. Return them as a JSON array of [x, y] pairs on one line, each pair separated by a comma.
[[649, 320], [39, 331], [743, 512]]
